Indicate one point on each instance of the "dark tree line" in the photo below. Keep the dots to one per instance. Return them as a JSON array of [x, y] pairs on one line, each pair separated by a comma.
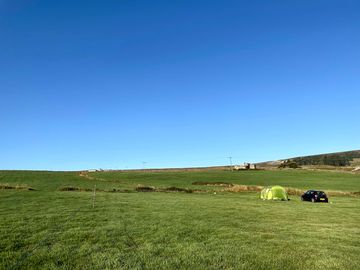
[[337, 159]]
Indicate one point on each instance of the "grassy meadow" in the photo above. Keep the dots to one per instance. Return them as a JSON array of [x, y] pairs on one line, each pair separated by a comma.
[[51, 229]]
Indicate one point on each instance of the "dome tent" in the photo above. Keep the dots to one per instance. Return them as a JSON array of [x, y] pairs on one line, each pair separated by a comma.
[[274, 193]]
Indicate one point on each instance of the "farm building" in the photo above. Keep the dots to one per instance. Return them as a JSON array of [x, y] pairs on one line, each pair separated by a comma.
[[245, 166]]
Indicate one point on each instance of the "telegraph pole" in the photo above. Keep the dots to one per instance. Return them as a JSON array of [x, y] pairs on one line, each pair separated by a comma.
[[230, 162]]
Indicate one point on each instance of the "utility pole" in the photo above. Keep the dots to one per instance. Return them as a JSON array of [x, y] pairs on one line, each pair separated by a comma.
[[143, 164], [230, 162]]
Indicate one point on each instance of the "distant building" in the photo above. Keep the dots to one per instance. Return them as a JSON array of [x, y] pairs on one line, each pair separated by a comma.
[[246, 166]]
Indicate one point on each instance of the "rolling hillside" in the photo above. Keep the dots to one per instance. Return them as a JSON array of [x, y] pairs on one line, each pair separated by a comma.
[[340, 159]]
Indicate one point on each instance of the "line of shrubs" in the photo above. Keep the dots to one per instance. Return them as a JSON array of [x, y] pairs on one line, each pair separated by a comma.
[[17, 186], [139, 188]]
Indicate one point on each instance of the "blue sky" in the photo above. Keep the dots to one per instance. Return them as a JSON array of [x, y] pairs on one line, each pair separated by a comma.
[[110, 84]]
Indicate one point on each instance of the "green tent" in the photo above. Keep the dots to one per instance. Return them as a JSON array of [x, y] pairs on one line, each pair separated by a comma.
[[274, 193]]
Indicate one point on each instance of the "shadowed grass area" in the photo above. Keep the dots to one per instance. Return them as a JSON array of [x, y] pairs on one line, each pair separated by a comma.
[[301, 179], [50, 229]]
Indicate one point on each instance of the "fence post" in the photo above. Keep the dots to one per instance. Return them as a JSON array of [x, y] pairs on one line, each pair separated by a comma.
[[94, 195]]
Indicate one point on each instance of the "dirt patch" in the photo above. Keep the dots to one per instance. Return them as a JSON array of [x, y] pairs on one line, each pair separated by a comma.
[[212, 184], [343, 193], [86, 175], [294, 191], [71, 188], [81, 189], [17, 187], [141, 188], [249, 188], [176, 189], [243, 188], [119, 190]]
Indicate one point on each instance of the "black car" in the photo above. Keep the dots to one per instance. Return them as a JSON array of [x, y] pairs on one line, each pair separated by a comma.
[[314, 196]]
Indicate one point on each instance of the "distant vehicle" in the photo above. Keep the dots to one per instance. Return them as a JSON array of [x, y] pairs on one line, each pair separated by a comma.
[[314, 196]]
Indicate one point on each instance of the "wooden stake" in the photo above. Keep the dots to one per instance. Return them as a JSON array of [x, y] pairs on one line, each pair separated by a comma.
[[94, 195]]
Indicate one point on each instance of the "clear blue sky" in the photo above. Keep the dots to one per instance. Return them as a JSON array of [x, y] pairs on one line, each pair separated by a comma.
[[110, 84]]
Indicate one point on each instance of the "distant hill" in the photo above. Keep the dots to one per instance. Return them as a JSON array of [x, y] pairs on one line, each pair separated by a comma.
[[333, 159], [340, 159]]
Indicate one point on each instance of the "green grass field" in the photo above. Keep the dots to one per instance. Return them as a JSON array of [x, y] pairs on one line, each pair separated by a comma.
[[50, 229]]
